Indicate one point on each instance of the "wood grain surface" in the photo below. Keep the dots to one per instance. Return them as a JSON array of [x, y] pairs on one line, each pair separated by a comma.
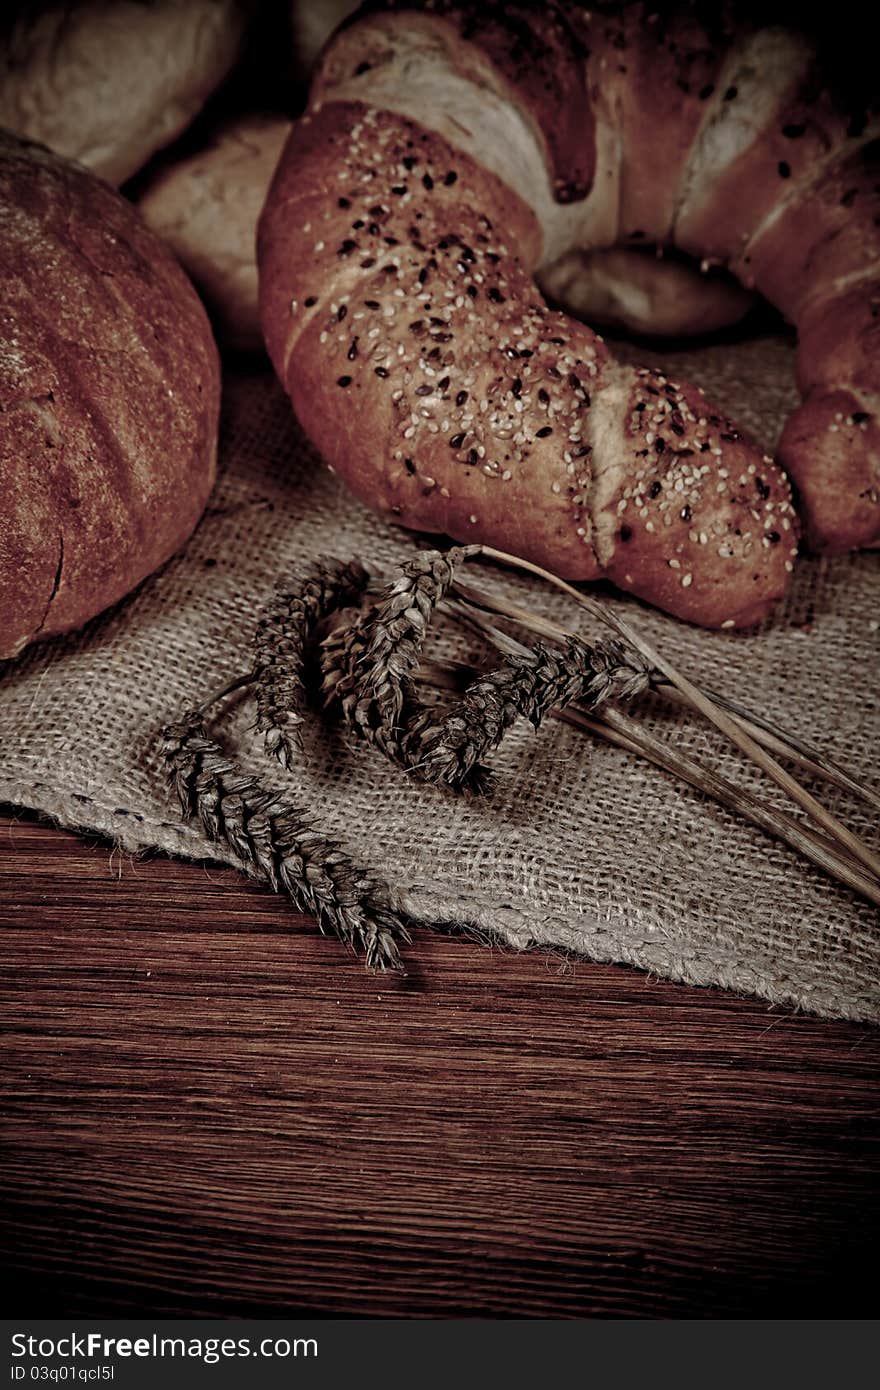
[[210, 1110]]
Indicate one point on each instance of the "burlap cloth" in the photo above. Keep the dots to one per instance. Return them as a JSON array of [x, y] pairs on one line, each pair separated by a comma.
[[581, 847]]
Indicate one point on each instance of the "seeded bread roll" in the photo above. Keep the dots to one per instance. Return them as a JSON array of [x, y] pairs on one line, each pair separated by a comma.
[[448, 156], [400, 312], [109, 82], [109, 392]]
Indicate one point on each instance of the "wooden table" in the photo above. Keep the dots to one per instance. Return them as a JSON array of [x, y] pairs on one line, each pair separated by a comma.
[[209, 1109]]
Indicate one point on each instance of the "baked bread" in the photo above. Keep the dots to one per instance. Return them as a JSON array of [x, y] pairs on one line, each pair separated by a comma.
[[109, 82], [206, 208], [109, 391], [450, 153], [637, 291]]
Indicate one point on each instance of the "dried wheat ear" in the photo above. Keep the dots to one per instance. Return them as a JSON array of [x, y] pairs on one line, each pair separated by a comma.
[[369, 672]]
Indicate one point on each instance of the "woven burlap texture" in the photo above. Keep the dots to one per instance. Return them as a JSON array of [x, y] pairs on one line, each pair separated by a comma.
[[580, 847]]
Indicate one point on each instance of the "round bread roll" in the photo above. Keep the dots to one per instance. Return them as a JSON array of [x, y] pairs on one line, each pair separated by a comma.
[[109, 82], [206, 208], [109, 391]]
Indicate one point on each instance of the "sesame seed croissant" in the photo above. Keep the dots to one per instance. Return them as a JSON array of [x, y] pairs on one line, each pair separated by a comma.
[[451, 153]]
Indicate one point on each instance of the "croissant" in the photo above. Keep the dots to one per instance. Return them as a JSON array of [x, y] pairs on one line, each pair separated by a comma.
[[451, 154]]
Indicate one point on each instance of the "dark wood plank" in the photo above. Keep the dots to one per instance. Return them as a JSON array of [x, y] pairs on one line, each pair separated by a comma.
[[208, 1109]]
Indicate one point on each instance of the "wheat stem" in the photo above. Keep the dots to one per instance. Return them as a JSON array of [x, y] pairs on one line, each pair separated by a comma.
[[274, 840], [763, 730], [281, 643], [737, 735], [618, 729]]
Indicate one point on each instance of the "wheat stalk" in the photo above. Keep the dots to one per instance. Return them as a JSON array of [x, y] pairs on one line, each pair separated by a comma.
[[776, 740], [276, 843], [829, 823], [281, 644], [448, 751], [368, 666], [614, 726]]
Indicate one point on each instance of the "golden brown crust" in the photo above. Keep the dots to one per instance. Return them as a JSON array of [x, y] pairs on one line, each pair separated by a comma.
[[537, 51], [428, 371], [703, 520], [784, 153], [109, 390], [659, 72], [822, 233], [728, 141], [830, 449], [839, 339]]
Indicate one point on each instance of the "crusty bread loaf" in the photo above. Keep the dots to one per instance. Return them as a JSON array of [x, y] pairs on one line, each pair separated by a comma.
[[451, 153], [109, 82], [206, 208], [400, 313], [109, 390]]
